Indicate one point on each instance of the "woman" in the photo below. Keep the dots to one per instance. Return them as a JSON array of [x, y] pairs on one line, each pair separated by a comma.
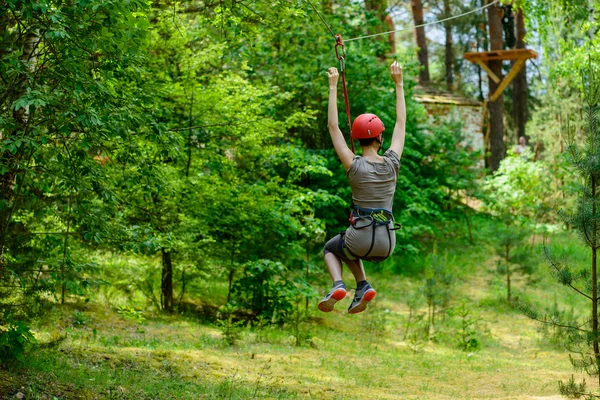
[[373, 181]]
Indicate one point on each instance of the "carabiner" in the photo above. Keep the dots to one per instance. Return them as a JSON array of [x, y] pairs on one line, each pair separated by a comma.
[[339, 43]]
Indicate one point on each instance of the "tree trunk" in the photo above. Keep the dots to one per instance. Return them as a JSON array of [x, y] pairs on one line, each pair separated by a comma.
[[466, 213], [496, 108], [392, 35], [421, 40], [519, 96], [449, 57], [595, 278], [229, 284], [507, 255], [167, 281]]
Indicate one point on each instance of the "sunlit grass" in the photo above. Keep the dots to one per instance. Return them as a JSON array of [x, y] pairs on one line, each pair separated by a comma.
[[108, 353]]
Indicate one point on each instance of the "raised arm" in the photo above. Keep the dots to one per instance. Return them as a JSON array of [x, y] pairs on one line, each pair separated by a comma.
[[339, 143], [400, 128]]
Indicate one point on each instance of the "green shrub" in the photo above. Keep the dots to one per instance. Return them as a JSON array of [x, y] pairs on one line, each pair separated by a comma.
[[14, 342], [466, 332], [231, 330], [266, 289]]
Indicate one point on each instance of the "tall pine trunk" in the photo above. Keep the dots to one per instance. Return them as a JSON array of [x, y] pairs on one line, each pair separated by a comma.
[[496, 137], [519, 96], [449, 57], [421, 40], [167, 281]]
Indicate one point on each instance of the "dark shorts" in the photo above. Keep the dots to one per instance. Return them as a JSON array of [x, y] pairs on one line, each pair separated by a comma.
[[336, 246]]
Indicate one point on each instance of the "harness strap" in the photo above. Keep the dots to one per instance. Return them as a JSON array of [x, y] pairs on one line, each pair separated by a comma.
[[377, 218], [372, 241], [390, 242]]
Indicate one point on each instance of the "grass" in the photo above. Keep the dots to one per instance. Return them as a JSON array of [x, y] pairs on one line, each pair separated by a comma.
[[109, 353]]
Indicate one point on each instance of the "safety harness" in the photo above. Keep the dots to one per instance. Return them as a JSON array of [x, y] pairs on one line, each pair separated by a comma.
[[377, 217]]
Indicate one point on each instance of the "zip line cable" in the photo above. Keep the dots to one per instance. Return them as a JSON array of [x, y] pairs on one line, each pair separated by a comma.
[[427, 24], [342, 58], [321, 17], [401, 29]]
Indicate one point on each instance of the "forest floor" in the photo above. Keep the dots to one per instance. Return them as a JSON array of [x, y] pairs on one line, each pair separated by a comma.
[[120, 353]]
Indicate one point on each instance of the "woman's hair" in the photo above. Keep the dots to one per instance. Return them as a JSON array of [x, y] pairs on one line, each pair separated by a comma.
[[367, 142]]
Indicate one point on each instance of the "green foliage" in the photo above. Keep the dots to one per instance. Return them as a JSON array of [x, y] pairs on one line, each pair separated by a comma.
[[520, 190], [70, 78], [553, 332], [265, 289], [583, 335], [574, 390], [299, 321], [14, 342], [79, 318], [513, 252], [231, 330], [437, 288], [466, 334], [129, 312]]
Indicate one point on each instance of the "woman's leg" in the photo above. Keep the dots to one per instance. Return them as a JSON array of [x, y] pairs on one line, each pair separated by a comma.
[[357, 269], [334, 266], [332, 253]]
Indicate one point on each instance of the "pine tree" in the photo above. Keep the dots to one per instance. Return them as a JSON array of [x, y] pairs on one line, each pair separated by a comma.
[[583, 335]]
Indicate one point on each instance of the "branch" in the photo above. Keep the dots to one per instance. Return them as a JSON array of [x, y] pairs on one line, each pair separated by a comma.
[[553, 323], [211, 125], [559, 271]]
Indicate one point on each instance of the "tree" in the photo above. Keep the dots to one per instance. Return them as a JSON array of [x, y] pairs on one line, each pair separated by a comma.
[[496, 128], [421, 40], [584, 335], [519, 195], [385, 22], [519, 84], [448, 54], [70, 82]]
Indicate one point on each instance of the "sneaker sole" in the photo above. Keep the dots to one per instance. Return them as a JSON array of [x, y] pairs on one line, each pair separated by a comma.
[[360, 307], [327, 305]]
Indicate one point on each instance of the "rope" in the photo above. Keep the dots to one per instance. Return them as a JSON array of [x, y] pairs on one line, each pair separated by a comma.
[[339, 42], [321, 17], [347, 107], [427, 24]]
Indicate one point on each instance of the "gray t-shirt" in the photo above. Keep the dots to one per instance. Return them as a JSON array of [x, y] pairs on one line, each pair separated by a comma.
[[373, 183]]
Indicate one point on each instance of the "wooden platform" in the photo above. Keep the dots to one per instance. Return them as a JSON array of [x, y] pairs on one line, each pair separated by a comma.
[[515, 54], [482, 58]]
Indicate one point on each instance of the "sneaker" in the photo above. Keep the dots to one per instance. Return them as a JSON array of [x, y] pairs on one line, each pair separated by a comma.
[[362, 298], [336, 294]]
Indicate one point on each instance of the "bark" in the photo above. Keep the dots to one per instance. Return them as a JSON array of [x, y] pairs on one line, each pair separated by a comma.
[[595, 278], [449, 57], [507, 256], [167, 281], [519, 84], [421, 40], [391, 36], [496, 108]]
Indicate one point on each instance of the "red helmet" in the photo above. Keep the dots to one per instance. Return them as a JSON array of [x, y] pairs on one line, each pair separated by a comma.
[[367, 126]]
